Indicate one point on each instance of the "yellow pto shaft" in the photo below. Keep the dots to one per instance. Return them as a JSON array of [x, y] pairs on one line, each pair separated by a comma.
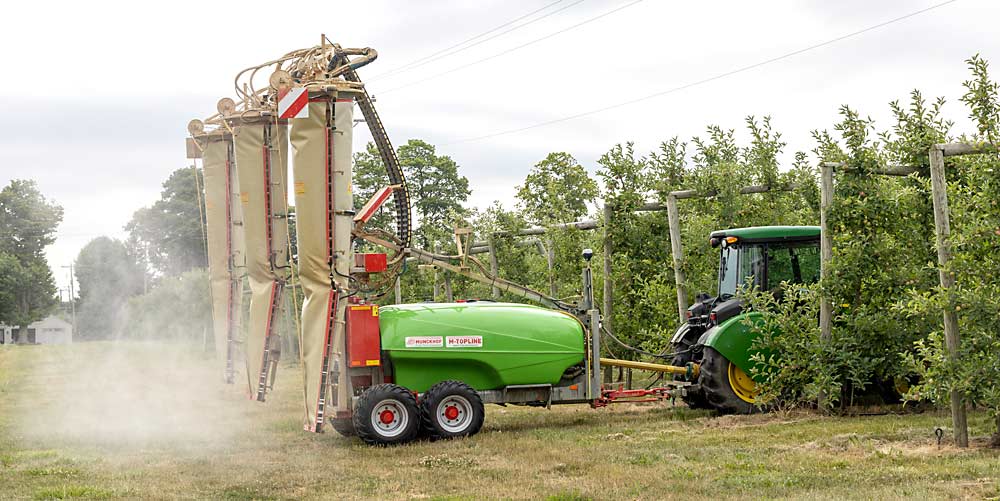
[[691, 370]]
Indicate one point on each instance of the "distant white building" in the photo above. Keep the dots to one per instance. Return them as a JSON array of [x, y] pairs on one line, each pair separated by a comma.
[[51, 330]]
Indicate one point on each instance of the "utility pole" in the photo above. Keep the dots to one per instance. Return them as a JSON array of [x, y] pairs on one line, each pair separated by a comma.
[[72, 295]]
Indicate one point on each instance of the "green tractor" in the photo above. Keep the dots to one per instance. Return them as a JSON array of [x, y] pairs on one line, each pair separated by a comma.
[[716, 335]]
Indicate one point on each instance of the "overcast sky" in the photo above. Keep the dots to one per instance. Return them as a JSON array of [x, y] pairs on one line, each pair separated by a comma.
[[97, 95]]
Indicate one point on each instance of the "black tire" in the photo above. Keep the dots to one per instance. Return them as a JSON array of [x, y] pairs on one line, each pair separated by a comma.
[[451, 409], [695, 399], [386, 414], [344, 426], [719, 393]]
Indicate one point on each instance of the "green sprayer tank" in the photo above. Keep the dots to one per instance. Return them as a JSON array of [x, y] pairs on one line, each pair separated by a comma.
[[487, 345]]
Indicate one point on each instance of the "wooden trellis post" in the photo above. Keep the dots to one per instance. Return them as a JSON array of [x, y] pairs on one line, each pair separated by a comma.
[[608, 249], [677, 254], [825, 248], [942, 231]]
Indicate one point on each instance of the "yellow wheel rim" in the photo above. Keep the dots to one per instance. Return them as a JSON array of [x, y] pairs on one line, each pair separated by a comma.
[[744, 387]]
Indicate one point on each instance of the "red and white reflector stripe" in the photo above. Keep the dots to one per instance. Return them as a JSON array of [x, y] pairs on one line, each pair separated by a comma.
[[294, 104], [373, 205]]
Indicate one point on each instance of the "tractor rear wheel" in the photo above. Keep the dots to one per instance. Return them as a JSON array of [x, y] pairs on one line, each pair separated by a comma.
[[694, 399], [387, 414], [728, 389], [451, 409]]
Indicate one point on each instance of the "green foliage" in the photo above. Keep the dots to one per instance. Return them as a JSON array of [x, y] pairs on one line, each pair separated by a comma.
[[27, 290], [883, 239], [28, 223], [169, 232], [28, 220], [369, 177], [437, 190], [798, 366], [884, 278], [108, 275], [177, 309], [645, 301], [556, 190], [973, 194]]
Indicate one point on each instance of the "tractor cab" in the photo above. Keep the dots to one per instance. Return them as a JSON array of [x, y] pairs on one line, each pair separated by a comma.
[[765, 257]]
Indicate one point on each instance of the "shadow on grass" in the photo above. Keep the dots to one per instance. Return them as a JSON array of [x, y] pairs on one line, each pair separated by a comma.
[[541, 419]]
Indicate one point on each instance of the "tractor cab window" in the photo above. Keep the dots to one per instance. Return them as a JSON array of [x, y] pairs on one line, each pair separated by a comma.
[[793, 263], [738, 265], [729, 267], [779, 262], [751, 265]]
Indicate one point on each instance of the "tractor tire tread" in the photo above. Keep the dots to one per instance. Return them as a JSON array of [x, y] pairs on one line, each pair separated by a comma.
[[715, 383]]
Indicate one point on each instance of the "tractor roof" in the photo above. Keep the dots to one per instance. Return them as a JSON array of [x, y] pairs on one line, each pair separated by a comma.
[[770, 233]]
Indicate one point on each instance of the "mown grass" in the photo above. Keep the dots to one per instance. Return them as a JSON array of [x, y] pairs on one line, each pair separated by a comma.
[[206, 441]]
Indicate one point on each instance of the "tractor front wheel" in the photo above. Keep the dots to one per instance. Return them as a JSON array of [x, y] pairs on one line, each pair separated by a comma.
[[451, 409], [727, 387], [386, 414]]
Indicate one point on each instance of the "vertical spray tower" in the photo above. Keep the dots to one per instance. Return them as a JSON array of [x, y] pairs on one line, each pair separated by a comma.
[[261, 150], [224, 221], [309, 99]]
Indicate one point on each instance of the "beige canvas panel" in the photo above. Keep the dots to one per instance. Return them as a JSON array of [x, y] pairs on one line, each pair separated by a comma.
[[215, 167], [265, 235], [309, 146]]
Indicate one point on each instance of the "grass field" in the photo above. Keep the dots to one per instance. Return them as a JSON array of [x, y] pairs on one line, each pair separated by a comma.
[[150, 421]]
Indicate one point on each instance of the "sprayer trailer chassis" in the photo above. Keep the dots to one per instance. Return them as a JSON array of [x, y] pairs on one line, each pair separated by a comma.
[[546, 395]]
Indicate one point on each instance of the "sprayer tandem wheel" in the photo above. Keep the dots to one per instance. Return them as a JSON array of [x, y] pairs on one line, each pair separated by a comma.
[[386, 414], [451, 409]]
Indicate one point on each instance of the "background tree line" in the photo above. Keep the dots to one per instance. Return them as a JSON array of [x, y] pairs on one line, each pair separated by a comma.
[[28, 223]]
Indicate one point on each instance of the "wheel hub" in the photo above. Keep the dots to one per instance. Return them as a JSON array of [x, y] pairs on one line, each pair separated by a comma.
[[743, 386], [389, 418], [454, 414]]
